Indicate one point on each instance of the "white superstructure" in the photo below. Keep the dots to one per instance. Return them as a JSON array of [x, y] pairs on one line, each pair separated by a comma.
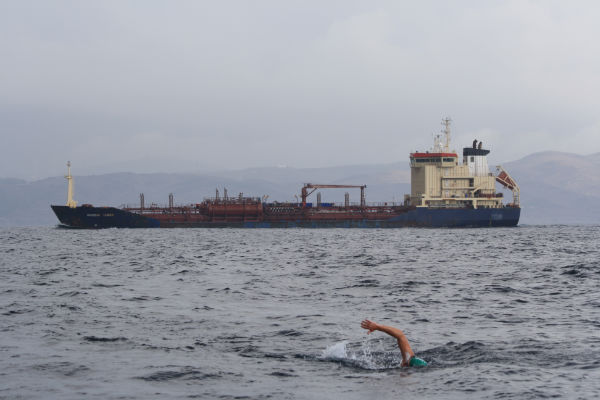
[[438, 180]]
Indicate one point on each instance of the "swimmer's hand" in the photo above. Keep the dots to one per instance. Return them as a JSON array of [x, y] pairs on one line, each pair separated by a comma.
[[369, 325]]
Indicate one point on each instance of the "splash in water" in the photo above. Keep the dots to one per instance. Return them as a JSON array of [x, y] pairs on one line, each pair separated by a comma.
[[363, 355]]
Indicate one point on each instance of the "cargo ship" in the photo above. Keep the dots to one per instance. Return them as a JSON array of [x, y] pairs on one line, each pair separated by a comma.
[[445, 192]]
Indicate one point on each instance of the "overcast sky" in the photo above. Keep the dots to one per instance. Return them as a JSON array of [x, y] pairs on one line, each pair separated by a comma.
[[193, 86]]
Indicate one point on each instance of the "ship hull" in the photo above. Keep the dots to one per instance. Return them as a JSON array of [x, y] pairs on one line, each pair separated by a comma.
[[101, 217], [110, 217]]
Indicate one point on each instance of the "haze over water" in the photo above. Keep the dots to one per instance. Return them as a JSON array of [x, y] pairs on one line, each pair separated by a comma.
[[226, 313]]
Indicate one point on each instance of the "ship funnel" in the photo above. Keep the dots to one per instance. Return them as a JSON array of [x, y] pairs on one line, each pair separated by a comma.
[[476, 160]]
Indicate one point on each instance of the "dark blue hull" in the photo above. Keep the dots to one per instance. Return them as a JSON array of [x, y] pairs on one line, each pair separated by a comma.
[[420, 217], [101, 217], [110, 217]]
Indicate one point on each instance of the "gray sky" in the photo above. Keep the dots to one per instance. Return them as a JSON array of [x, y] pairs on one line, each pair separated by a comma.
[[192, 86]]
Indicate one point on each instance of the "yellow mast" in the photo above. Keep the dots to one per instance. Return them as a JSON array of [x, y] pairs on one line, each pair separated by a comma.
[[70, 202]]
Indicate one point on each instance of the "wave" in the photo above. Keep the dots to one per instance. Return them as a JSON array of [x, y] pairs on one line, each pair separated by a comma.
[[64, 368], [104, 339], [185, 373]]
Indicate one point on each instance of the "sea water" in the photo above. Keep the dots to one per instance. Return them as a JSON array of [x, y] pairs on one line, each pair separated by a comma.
[[275, 314]]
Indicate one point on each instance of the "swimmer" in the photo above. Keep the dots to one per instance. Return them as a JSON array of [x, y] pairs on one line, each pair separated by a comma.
[[408, 356]]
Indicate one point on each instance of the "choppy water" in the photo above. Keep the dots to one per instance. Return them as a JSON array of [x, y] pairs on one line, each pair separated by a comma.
[[192, 313]]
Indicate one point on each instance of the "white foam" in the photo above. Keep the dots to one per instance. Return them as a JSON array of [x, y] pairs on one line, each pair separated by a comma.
[[336, 351], [363, 356]]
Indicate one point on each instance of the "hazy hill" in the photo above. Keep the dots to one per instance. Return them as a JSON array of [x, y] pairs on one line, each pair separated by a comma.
[[558, 187], [555, 188], [562, 170]]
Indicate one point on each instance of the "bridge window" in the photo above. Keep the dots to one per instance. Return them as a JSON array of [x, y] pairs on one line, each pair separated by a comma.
[[429, 160]]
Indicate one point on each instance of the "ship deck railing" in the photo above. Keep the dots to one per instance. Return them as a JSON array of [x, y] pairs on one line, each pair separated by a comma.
[[154, 208], [232, 200]]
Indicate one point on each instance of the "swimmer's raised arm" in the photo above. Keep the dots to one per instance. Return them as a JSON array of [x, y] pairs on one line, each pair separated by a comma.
[[405, 349]]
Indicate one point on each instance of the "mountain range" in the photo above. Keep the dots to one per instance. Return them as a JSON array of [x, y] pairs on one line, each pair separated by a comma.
[[556, 188]]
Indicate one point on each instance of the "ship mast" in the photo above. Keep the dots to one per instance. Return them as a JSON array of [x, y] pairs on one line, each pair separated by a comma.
[[70, 202], [446, 131]]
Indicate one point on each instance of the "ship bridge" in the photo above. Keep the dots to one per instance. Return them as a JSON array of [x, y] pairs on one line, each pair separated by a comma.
[[438, 180], [440, 159]]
